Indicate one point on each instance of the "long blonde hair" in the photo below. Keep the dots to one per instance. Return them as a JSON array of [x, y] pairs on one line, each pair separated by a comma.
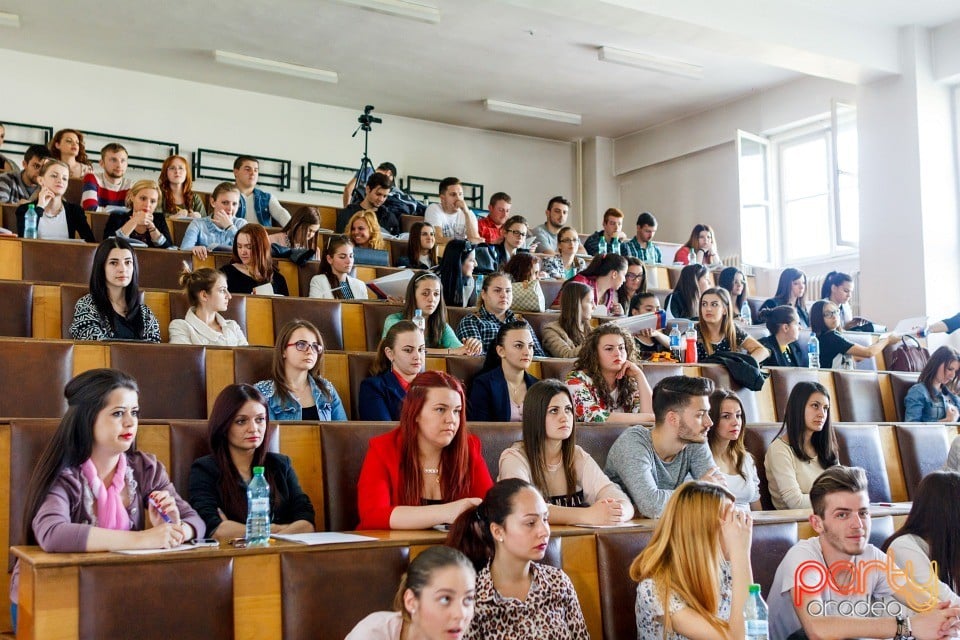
[[370, 219], [683, 556]]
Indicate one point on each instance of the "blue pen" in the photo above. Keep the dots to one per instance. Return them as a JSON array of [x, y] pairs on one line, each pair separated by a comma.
[[156, 505]]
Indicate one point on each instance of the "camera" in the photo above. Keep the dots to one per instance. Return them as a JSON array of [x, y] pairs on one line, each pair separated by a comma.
[[366, 119]]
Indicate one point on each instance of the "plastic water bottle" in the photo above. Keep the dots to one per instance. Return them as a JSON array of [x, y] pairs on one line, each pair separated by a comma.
[[30, 223], [420, 321], [691, 340], [258, 510], [745, 314], [755, 615], [675, 350], [615, 245], [813, 352], [602, 246]]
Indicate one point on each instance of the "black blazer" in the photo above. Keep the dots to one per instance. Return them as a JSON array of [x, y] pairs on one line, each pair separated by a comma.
[[381, 397], [490, 397], [119, 218], [778, 359], [76, 221]]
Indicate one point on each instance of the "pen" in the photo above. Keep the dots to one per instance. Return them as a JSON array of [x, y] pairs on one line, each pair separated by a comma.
[[156, 505]]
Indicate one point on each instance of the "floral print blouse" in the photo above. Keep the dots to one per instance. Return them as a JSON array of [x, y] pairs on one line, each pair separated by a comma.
[[588, 406], [650, 609]]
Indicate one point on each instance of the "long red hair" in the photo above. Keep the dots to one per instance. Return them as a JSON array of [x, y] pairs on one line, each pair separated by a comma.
[[166, 190], [455, 457]]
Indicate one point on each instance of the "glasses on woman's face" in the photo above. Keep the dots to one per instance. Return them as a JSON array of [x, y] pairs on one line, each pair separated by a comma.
[[303, 346], [633, 276], [518, 233], [830, 314], [569, 241]]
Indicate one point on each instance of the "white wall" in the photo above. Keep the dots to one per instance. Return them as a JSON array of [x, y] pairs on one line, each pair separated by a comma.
[[63, 93]]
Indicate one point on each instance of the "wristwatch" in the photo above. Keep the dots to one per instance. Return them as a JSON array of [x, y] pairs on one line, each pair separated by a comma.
[[904, 632]]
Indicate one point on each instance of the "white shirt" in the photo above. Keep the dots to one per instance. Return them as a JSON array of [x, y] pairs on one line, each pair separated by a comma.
[[451, 225], [916, 551], [280, 215], [193, 330], [54, 228], [320, 288], [747, 490]]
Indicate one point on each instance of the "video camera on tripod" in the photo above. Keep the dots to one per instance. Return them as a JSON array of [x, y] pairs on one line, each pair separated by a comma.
[[366, 119]]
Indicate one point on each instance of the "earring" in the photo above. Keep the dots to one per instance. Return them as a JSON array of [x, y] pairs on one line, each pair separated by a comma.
[[500, 539]]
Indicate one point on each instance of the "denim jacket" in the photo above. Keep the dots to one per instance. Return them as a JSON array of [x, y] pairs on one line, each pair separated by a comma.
[[918, 406], [280, 408], [261, 203]]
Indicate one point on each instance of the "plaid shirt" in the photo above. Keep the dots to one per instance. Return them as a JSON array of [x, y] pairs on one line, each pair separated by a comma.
[[484, 326], [650, 254]]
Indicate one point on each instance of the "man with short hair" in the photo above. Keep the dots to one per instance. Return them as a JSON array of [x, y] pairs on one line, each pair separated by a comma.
[[452, 218], [838, 585], [16, 187], [398, 202], [354, 191], [490, 227], [376, 193], [256, 205], [651, 463], [106, 190], [610, 239], [642, 245], [545, 235]]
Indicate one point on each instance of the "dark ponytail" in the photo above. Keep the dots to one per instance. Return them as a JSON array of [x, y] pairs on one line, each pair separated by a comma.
[[470, 532]]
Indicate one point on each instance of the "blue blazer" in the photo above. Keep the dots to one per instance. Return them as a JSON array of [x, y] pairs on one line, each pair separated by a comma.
[[490, 398], [381, 397], [777, 359]]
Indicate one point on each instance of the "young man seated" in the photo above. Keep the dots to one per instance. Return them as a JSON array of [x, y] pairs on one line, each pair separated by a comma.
[[106, 190], [838, 585], [452, 218], [490, 227], [398, 202], [545, 235], [256, 205], [376, 193], [17, 187], [642, 245], [610, 239]]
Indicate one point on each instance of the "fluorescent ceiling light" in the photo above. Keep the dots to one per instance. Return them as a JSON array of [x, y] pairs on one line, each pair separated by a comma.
[[9, 20], [650, 62], [531, 112], [273, 66], [422, 11]]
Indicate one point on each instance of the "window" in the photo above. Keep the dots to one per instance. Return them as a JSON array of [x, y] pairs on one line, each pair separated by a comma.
[[755, 232]]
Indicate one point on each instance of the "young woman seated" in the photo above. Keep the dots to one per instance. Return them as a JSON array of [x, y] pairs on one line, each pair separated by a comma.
[[514, 234], [428, 470], [936, 395], [694, 574], [524, 268], [238, 432], [606, 384], [296, 390], [733, 280], [91, 490], [68, 147], [141, 222], [928, 536], [400, 358], [364, 230], [334, 281], [177, 199], [836, 352], [219, 231], [804, 447], [298, 237], [648, 341], [207, 292], [605, 273], [493, 310], [549, 458], [456, 274], [113, 309], [730, 453], [435, 600], [563, 338], [634, 282], [565, 263], [252, 269], [701, 248], [790, 290], [684, 300], [717, 332], [421, 247], [423, 293], [57, 219], [506, 538], [784, 327], [497, 392]]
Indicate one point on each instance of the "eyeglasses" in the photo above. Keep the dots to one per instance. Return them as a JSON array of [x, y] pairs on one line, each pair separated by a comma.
[[830, 314], [634, 276], [303, 346], [519, 234], [569, 241]]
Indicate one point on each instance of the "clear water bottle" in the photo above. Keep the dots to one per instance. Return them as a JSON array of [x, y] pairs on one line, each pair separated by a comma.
[[420, 321], [602, 246], [615, 245], [755, 615], [813, 352], [745, 314], [690, 337], [258, 510], [30, 222], [675, 350]]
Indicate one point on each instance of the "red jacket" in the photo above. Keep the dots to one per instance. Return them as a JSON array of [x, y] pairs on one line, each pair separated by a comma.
[[378, 490]]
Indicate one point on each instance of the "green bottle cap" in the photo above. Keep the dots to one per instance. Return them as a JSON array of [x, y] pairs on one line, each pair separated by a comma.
[[258, 471], [754, 588]]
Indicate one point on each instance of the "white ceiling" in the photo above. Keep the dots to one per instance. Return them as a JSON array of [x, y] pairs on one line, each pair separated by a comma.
[[534, 52]]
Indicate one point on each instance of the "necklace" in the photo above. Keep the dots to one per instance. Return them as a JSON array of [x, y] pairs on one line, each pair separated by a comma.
[[517, 392], [554, 467], [435, 471]]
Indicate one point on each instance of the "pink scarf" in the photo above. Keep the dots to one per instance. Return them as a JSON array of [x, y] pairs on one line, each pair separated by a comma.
[[111, 514]]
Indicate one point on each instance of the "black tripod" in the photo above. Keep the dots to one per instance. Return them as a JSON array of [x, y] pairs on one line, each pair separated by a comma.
[[366, 121]]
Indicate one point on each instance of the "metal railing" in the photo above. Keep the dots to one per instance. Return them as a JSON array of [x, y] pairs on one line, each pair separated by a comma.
[[427, 188], [324, 178], [142, 153], [209, 164]]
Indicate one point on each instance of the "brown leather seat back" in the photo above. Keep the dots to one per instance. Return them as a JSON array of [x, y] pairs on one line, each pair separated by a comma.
[[596, 438], [344, 447], [324, 314], [494, 438], [771, 541], [757, 438], [28, 439], [188, 441], [784, 379], [464, 368], [307, 271], [456, 314], [407, 221], [252, 364], [655, 372], [358, 368], [51, 261], [74, 192], [178, 228], [9, 216], [551, 289], [538, 320], [69, 295], [900, 383], [172, 378], [858, 396], [159, 606], [35, 373], [359, 581], [374, 316], [618, 593], [923, 448], [17, 317], [98, 223], [860, 446], [160, 268], [722, 380], [556, 368], [236, 311]]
